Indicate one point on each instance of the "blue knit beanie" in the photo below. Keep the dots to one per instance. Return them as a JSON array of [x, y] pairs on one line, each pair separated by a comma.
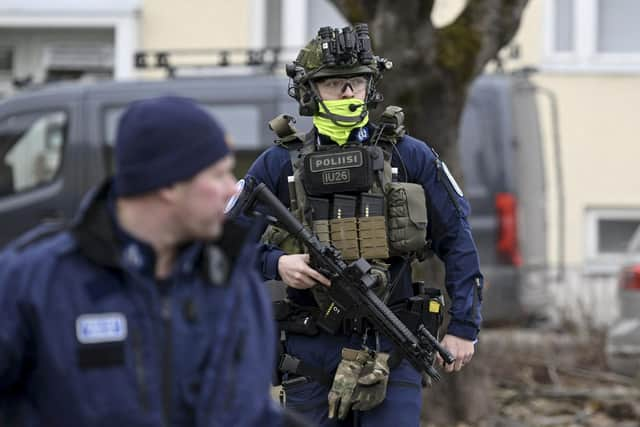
[[162, 141]]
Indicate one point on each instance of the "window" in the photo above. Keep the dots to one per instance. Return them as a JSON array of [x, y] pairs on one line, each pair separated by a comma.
[[593, 35], [618, 30], [613, 236], [242, 122], [563, 26], [31, 147]]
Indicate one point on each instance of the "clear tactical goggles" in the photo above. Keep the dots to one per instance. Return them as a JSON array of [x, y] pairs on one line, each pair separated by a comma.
[[337, 85]]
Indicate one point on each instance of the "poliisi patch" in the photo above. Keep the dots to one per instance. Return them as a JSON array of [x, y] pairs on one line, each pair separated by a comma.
[[336, 160], [101, 328]]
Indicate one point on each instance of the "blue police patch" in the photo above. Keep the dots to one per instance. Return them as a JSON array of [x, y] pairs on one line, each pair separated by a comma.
[[101, 327], [363, 134]]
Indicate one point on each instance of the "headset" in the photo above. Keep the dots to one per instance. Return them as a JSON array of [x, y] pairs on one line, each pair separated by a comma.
[[340, 48]]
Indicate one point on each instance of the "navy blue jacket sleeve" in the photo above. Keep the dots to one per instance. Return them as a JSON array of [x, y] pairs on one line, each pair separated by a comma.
[[272, 167], [451, 237]]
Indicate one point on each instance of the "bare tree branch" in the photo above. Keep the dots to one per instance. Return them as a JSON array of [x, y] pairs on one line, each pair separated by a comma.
[[478, 33], [403, 27], [356, 11]]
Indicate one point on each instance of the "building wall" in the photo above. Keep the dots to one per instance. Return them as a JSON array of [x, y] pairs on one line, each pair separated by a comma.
[[598, 125], [597, 129], [166, 24], [598, 102]]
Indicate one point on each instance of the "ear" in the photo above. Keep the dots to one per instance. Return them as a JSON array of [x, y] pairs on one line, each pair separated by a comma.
[[171, 193]]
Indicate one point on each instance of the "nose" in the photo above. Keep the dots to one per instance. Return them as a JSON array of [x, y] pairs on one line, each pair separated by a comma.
[[347, 91]]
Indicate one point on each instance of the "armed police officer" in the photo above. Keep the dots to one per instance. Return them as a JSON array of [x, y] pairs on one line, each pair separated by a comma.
[[372, 192], [143, 312]]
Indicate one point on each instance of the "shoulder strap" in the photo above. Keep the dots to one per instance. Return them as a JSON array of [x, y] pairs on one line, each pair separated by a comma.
[[287, 134], [300, 147], [297, 143], [391, 127], [389, 131]]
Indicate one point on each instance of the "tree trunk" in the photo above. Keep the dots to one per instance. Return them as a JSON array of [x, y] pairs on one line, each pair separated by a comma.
[[433, 67], [432, 71], [432, 112]]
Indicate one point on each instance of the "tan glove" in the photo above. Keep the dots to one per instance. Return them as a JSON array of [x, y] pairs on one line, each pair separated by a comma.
[[345, 381], [372, 384]]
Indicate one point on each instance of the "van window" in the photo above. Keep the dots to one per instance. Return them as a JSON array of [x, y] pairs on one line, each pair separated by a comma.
[[480, 150], [240, 121], [31, 148]]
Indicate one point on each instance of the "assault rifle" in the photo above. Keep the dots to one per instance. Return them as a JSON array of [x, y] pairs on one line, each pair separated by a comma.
[[351, 284]]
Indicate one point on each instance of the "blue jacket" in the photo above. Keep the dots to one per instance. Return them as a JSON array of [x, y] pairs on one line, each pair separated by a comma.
[[88, 338], [448, 228]]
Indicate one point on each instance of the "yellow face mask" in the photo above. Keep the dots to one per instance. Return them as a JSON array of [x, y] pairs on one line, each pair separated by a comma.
[[339, 107]]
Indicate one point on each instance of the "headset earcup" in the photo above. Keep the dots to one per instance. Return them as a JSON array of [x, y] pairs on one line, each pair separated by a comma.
[[308, 104]]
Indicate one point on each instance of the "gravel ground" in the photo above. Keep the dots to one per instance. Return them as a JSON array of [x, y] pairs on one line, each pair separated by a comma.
[[533, 378]]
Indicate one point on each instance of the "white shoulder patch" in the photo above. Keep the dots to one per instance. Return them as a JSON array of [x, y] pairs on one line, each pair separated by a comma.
[[452, 180], [99, 328]]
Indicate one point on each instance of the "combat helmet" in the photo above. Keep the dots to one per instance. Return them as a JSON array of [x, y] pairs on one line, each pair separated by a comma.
[[335, 53]]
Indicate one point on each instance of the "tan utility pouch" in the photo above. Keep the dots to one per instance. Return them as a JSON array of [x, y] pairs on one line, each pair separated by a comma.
[[321, 229], [407, 217], [344, 236], [372, 233]]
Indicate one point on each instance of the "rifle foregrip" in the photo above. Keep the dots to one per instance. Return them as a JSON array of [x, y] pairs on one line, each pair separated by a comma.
[[444, 353]]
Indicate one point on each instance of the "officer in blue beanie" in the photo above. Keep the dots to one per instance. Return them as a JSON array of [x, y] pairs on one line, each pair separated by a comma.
[[146, 311]]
